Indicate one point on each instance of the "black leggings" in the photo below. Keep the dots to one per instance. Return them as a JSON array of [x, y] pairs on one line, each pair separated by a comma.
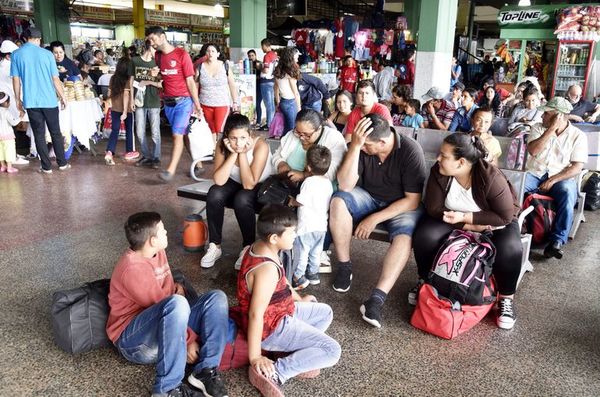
[[431, 233], [243, 201]]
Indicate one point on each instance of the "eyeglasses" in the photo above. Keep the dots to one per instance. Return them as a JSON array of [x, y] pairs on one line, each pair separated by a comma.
[[304, 135]]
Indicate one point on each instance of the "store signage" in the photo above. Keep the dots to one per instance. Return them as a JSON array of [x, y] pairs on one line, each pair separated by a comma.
[[167, 18], [206, 23], [92, 13], [527, 16], [18, 6]]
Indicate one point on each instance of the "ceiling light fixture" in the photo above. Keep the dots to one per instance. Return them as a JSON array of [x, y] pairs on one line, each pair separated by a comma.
[[524, 3], [218, 7]]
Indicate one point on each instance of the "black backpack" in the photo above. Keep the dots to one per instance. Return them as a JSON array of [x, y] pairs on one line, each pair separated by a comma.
[[79, 317], [592, 192]]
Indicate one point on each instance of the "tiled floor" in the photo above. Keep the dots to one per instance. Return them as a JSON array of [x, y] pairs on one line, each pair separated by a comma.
[[58, 231]]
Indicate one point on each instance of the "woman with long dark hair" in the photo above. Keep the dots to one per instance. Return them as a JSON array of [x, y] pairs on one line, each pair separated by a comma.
[[343, 107], [287, 97], [466, 192], [242, 162], [119, 93], [491, 99]]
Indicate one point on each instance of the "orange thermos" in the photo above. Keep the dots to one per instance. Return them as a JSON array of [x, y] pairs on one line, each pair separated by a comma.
[[195, 233]]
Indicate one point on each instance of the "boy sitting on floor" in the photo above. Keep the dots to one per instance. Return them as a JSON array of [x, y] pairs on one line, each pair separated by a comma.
[[151, 321], [273, 315]]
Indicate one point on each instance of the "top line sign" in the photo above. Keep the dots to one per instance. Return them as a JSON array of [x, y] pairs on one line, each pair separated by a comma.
[[522, 17]]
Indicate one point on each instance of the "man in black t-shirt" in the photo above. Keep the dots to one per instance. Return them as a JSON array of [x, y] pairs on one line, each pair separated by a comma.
[[583, 110], [380, 182]]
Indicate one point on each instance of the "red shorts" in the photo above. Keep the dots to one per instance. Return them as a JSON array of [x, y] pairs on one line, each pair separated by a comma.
[[215, 117]]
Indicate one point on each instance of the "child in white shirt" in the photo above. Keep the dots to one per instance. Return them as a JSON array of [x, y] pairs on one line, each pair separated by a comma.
[[313, 207], [8, 152]]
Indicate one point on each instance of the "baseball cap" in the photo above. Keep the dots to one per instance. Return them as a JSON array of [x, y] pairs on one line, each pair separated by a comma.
[[8, 47], [459, 86], [33, 33], [433, 93], [558, 104]]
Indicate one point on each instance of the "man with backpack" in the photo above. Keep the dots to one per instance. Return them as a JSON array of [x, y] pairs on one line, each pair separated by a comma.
[[557, 152]]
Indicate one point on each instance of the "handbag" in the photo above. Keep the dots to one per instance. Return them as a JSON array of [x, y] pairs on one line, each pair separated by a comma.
[[139, 97], [201, 141], [275, 189], [79, 317]]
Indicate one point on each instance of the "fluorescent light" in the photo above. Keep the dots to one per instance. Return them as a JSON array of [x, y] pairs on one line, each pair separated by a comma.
[[218, 7], [524, 3]]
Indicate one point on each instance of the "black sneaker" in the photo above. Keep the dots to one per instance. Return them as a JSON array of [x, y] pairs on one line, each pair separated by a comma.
[[209, 382], [156, 164], [182, 390], [343, 279], [371, 312], [413, 294], [554, 250], [143, 162], [313, 278], [506, 313]]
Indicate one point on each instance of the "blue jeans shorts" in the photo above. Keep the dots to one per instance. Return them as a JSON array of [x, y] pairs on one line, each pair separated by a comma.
[[179, 115], [360, 204]]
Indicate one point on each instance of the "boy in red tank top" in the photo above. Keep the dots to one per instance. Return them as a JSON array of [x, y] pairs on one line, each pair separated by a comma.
[[274, 316]]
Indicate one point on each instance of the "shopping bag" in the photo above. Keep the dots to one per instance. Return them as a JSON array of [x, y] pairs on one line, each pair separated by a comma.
[[107, 127], [201, 141], [277, 125]]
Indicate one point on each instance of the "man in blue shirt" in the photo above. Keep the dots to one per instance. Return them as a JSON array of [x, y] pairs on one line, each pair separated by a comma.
[[34, 70]]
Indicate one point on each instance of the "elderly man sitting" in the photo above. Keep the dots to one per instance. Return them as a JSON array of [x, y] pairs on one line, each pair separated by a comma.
[[557, 152], [583, 110], [437, 111]]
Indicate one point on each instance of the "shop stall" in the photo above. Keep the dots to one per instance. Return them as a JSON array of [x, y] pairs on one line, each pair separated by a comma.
[[548, 42]]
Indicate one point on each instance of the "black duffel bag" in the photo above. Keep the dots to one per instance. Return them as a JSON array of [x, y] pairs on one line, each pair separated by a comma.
[[592, 192], [79, 317], [276, 189]]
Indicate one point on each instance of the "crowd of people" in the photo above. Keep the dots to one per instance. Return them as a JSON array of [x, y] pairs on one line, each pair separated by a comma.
[[348, 173]]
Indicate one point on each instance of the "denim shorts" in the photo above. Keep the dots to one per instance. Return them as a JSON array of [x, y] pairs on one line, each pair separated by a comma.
[[360, 204], [179, 115]]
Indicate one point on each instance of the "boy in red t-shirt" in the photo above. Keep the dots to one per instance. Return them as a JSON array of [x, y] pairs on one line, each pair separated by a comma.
[[151, 321], [348, 75], [274, 316]]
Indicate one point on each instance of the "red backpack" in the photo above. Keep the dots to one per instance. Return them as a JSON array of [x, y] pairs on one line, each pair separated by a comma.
[[540, 221]]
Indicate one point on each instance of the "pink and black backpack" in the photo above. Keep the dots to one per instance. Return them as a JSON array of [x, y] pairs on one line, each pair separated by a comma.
[[462, 268]]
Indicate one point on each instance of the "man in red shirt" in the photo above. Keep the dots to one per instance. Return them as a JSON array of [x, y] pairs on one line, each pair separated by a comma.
[[151, 321], [266, 84], [180, 94], [348, 75], [366, 103]]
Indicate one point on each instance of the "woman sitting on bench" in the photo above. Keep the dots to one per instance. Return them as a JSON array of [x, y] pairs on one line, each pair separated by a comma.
[[465, 191], [242, 162]]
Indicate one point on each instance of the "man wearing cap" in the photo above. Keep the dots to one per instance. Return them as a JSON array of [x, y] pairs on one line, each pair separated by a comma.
[[33, 69], [455, 96], [437, 111], [557, 152], [583, 110]]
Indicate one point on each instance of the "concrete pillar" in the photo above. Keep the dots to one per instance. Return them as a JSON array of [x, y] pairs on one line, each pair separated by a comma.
[[437, 24], [52, 18], [139, 19], [248, 26]]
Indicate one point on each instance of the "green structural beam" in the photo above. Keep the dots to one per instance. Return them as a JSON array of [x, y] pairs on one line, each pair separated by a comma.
[[248, 23], [437, 23], [52, 18]]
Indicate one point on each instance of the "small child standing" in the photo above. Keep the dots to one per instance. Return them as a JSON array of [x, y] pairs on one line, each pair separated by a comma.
[[273, 315], [313, 207], [413, 119], [8, 151]]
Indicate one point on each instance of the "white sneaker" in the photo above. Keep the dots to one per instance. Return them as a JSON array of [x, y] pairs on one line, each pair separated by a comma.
[[21, 160], [212, 254], [238, 262], [325, 266]]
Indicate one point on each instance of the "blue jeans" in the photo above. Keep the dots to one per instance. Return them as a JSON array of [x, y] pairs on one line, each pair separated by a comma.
[[289, 109], [316, 106], [153, 116], [564, 194], [307, 251], [360, 204], [303, 335], [158, 335], [114, 133], [267, 95]]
